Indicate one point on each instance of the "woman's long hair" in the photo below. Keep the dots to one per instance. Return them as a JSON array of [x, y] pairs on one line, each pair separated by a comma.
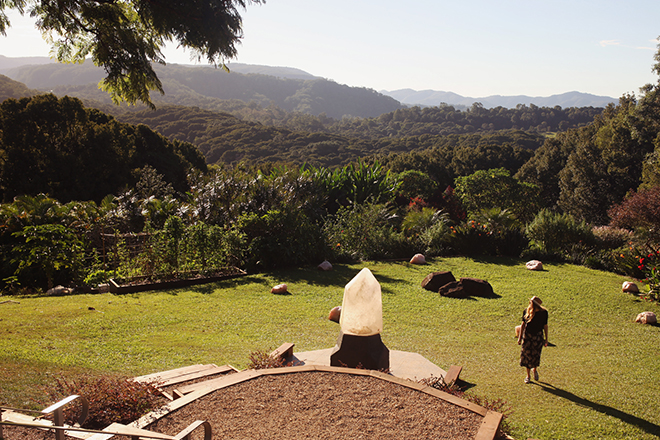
[[532, 308]]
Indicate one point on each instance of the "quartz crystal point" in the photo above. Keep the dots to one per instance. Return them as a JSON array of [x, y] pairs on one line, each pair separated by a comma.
[[362, 306]]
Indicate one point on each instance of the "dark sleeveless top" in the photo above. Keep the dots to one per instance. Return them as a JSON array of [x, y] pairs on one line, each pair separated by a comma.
[[537, 323]]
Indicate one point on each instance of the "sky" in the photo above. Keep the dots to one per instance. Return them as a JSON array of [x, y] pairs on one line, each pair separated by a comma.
[[474, 48]]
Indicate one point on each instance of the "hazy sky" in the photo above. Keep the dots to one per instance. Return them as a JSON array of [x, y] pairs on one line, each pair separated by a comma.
[[474, 48]]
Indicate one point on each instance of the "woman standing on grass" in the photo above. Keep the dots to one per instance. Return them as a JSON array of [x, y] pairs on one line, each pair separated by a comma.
[[534, 326]]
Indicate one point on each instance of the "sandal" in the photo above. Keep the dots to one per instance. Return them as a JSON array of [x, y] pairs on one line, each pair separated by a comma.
[[527, 380], [536, 375]]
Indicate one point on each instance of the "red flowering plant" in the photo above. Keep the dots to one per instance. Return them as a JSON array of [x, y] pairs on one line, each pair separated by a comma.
[[648, 265]]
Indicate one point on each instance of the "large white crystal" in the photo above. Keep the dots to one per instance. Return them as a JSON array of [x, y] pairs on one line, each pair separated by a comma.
[[362, 306]]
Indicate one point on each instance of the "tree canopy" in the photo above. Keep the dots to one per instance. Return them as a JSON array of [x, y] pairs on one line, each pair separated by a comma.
[[126, 37], [59, 147]]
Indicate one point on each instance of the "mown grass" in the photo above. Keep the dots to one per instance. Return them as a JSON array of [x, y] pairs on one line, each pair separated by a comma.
[[599, 379]]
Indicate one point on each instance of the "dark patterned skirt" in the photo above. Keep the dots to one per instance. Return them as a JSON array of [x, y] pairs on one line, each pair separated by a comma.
[[530, 354]]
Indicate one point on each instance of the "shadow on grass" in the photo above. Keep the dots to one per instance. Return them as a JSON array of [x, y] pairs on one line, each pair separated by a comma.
[[503, 261], [339, 276], [208, 288], [645, 425]]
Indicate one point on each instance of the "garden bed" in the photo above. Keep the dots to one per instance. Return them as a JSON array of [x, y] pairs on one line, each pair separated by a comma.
[[305, 402], [173, 281]]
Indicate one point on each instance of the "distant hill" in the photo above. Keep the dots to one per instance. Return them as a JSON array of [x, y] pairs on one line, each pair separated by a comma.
[[434, 98], [278, 72], [7, 63], [289, 89], [13, 89]]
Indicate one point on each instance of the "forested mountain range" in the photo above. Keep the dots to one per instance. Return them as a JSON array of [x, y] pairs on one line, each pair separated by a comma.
[[434, 97], [186, 85], [8, 63], [536, 142], [223, 138], [249, 132], [290, 89]]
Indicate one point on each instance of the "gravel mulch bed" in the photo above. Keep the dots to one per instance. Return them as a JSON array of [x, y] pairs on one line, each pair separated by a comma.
[[319, 405], [312, 405]]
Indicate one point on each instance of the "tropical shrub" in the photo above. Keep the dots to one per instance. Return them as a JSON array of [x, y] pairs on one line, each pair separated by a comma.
[[45, 254], [504, 231], [496, 188], [356, 184], [511, 242], [557, 233], [418, 220], [280, 238], [365, 232], [414, 183], [436, 240]]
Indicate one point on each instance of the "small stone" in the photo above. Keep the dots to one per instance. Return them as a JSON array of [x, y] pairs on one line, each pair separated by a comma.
[[325, 266], [58, 291], [280, 289], [630, 287], [534, 265], [335, 314], [647, 318], [418, 259]]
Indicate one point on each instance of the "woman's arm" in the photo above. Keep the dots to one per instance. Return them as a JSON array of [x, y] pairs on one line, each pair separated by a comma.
[[545, 330], [522, 332]]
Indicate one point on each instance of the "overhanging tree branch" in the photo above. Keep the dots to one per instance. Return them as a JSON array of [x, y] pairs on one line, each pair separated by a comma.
[[126, 37]]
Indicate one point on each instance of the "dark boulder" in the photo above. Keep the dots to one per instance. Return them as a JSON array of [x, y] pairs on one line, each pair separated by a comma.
[[434, 281], [453, 289], [477, 287]]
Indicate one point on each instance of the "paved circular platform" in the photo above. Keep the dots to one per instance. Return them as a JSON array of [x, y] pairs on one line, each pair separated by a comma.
[[403, 364]]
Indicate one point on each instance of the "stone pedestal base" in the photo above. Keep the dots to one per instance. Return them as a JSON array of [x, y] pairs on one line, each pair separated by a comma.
[[367, 352]]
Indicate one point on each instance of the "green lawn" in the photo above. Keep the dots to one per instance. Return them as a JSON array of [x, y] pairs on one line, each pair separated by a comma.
[[599, 379]]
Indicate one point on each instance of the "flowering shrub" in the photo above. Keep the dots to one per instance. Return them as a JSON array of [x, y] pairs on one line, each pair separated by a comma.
[[472, 238], [648, 265]]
